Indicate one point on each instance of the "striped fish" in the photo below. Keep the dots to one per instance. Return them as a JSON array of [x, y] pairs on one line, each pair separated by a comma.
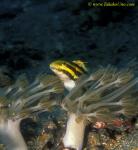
[[68, 72]]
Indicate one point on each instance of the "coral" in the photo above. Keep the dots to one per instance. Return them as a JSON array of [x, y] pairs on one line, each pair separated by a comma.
[[103, 87], [22, 100], [102, 96]]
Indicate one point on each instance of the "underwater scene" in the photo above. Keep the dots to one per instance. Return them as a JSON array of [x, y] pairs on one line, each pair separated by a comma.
[[68, 75]]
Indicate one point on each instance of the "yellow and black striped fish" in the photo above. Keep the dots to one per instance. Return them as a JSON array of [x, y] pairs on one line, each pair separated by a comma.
[[68, 71], [65, 69]]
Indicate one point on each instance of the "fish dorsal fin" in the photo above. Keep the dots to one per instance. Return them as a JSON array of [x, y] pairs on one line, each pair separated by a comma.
[[81, 64]]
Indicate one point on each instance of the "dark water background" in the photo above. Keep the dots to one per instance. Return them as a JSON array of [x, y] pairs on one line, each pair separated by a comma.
[[36, 32]]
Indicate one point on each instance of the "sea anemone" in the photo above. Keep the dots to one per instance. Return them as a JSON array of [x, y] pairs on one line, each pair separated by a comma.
[[101, 96], [22, 100]]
